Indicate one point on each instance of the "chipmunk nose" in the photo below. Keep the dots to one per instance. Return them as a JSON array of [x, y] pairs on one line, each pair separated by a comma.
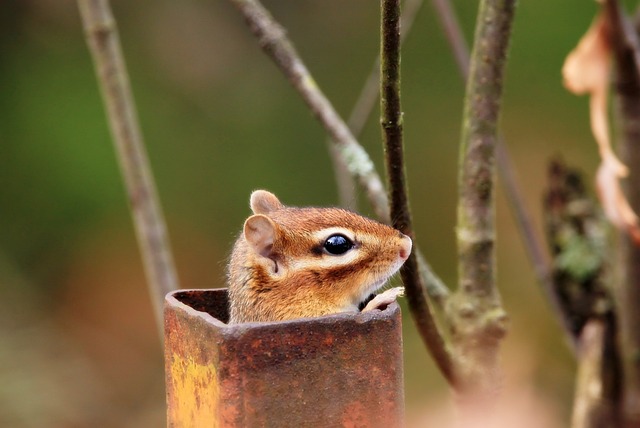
[[405, 247]]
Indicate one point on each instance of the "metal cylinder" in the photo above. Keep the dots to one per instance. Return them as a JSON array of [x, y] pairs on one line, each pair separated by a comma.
[[342, 370]]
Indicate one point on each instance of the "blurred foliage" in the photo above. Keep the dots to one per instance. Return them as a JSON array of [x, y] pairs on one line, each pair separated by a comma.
[[77, 344]]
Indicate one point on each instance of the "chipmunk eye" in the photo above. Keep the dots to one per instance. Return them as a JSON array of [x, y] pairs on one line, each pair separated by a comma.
[[337, 244]]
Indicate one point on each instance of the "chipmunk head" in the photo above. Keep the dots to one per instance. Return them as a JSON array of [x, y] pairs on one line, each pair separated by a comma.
[[299, 262]]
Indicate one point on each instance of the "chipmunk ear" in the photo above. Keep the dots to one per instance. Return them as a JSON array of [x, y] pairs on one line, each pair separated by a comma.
[[263, 202], [260, 233]]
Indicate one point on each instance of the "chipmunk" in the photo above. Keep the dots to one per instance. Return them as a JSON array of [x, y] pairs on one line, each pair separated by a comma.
[[304, 262]]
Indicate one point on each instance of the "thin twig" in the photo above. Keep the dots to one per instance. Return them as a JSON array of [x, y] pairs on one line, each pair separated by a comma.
[[371, 89], [364, 106], [541, 264], [454, 34], [344, 182], [537, 255], [104, 44], [392, 131], [475, 309], [504, 164], [532, 243], [435, 287], [274, 42]]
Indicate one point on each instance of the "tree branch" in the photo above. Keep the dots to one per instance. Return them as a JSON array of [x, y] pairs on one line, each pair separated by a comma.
[[433, 285], [478, 320], [453, 33], [532, 243], [578, 241], [625, 46], [537, 256], [513, 192], [104, 44], [371, 89], [364, 106], [594, 406], [274, 42], [392, 132]]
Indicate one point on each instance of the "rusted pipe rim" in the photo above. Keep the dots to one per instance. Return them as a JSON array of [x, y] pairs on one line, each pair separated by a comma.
[[194, 303]]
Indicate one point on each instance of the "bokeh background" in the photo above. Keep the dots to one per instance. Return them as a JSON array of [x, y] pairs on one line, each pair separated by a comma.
[[77, 342]]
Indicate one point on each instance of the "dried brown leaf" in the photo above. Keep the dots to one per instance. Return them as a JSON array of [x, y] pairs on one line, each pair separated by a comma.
[[586, 70], [615, 204]]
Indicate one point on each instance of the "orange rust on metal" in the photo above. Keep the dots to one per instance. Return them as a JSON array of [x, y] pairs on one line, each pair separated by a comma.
[[341, 370]]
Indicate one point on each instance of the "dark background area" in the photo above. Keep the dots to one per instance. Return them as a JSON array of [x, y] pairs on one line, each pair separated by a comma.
[[77, 342]]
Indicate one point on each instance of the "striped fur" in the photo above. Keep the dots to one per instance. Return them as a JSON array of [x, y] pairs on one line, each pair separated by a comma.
[[279, 269]]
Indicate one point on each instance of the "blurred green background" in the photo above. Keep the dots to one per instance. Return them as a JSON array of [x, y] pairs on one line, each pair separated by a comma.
[[77, 342]]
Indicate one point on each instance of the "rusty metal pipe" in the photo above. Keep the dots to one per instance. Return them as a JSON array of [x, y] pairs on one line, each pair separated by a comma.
[[341, 370]]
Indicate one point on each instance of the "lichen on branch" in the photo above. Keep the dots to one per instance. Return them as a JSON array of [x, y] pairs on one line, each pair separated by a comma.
[[475, 312]]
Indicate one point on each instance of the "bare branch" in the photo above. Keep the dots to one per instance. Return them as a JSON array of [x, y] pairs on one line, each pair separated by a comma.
[[346, 187], [454, 35], [513, 191], [102, 37], [274, 42], [364, 106], [589, 377], [594, 404], [434, 286], [371, 89], [625, 46], [392, 132], [475, 309], [479, 137], [532, 243], [577, 235]]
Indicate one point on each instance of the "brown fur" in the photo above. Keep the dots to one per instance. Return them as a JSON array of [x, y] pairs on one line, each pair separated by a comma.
[[280, 237]]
